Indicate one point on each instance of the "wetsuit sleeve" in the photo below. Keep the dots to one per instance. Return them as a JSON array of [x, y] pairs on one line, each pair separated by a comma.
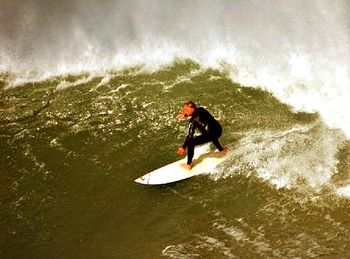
[[189, 135]]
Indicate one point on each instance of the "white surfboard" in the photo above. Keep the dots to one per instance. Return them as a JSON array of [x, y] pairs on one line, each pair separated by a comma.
[[204, 162]]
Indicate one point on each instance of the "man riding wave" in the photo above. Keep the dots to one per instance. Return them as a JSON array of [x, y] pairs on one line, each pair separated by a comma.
[[209, 127]]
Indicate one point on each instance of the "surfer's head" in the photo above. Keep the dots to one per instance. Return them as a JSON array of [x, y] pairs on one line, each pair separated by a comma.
[[189, 108]]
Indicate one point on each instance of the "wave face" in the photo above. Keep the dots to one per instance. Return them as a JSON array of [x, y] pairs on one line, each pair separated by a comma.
[[73, 145]]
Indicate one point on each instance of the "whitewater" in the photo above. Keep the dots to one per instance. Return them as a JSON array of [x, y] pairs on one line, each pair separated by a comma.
[[298, 51]]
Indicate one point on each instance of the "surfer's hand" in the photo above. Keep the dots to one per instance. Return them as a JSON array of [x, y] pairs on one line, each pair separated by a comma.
[[181, 116], [181, 151]]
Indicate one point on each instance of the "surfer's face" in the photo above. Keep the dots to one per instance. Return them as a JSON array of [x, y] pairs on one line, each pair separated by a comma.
[[188, 110]]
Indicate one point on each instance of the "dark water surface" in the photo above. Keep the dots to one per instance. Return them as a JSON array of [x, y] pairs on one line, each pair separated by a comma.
[[71, 147]]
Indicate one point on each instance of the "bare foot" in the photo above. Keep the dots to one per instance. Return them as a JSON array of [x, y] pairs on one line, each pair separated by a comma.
[[224, 151], [186, 166]]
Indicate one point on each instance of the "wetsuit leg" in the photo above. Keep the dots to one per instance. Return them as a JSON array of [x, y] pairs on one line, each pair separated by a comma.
[[217, 144], [199, 140], [211, 136], [215, 138]]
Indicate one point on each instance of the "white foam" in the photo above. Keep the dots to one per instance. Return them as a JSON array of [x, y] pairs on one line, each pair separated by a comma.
[[203, 243], [344, 191], [302, 157], [64, 84]]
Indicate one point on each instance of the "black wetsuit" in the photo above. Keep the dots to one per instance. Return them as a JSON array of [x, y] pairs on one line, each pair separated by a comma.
[[209, 127]]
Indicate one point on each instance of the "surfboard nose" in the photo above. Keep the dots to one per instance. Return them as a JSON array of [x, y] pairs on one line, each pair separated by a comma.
[[142, 179]]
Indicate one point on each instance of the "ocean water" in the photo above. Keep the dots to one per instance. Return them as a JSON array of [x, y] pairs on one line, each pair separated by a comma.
[[89, 95]]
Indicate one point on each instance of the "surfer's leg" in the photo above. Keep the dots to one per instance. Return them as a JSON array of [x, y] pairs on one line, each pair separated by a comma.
[[215, 135], [196, 141], [217, 145], [190, 152]]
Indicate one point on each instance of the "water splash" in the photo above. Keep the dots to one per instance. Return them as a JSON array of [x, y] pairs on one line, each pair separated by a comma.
[[300, 158]]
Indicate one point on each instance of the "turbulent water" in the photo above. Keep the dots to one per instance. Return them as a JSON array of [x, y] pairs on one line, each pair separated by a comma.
[[88, 101]]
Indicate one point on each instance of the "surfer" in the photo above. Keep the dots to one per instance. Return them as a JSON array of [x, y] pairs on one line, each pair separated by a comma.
[[209, 127]]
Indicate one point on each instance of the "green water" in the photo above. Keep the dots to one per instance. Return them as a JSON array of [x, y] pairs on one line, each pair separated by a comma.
[[72, 145]]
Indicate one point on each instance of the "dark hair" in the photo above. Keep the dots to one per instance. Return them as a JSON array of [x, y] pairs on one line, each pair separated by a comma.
[[190, 103]]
